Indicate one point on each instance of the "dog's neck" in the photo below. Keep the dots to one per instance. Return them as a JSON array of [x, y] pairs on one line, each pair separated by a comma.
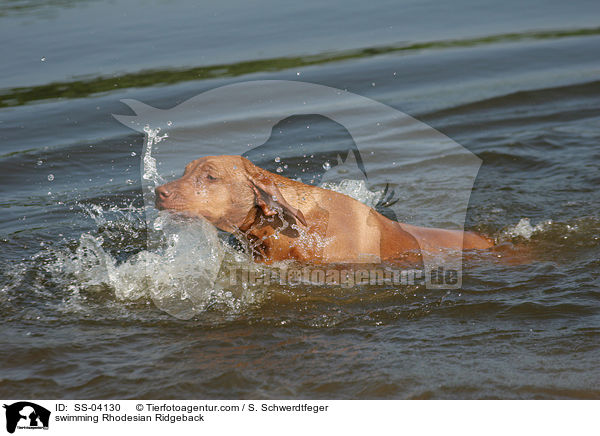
[[250, 220], [268, 237]]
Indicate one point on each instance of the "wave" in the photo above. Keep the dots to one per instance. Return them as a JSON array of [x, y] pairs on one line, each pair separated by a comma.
[[583, 232], [543, 102], [183, 267], [186, 271], [159, 77]]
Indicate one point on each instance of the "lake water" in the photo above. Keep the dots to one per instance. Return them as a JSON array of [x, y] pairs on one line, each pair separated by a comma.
[[517, 84]]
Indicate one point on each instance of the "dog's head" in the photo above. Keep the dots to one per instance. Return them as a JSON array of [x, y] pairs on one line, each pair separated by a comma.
[[225, 190]]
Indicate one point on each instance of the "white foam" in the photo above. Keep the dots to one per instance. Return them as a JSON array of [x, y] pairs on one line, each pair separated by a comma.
[[525, 230], [150, 172], [356, 189], [180, 274], [182, 269]]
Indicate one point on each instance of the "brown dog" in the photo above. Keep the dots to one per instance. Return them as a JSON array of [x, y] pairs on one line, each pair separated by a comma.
[[284, 219]]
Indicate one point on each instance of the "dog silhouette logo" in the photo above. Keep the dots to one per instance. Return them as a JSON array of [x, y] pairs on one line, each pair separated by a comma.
[[324, 138], [26, 415]]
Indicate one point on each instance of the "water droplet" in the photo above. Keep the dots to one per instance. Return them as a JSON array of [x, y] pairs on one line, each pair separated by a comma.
[[169, 123], [285, 166], [373, 84], [326, 166], [39, 162], [279, 170], [50, 177], [133, 153], [277, 159], [43, 59]]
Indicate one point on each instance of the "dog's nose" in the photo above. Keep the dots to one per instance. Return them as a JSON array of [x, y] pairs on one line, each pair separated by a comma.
[[162, 192]]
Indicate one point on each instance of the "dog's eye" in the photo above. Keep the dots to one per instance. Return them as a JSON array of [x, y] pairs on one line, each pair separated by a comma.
[[209, 177]]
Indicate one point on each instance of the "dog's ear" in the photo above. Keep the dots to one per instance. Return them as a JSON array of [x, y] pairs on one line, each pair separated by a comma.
[[269, 198]]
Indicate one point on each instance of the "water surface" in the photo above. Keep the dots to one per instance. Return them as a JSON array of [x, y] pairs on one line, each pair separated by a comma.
[[516, 84]]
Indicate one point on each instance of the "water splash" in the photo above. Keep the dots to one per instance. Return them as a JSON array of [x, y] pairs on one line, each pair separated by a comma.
[[356, 189], [578, 232], [525, 230], [179, 274], [149, 170], [184, 267]]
